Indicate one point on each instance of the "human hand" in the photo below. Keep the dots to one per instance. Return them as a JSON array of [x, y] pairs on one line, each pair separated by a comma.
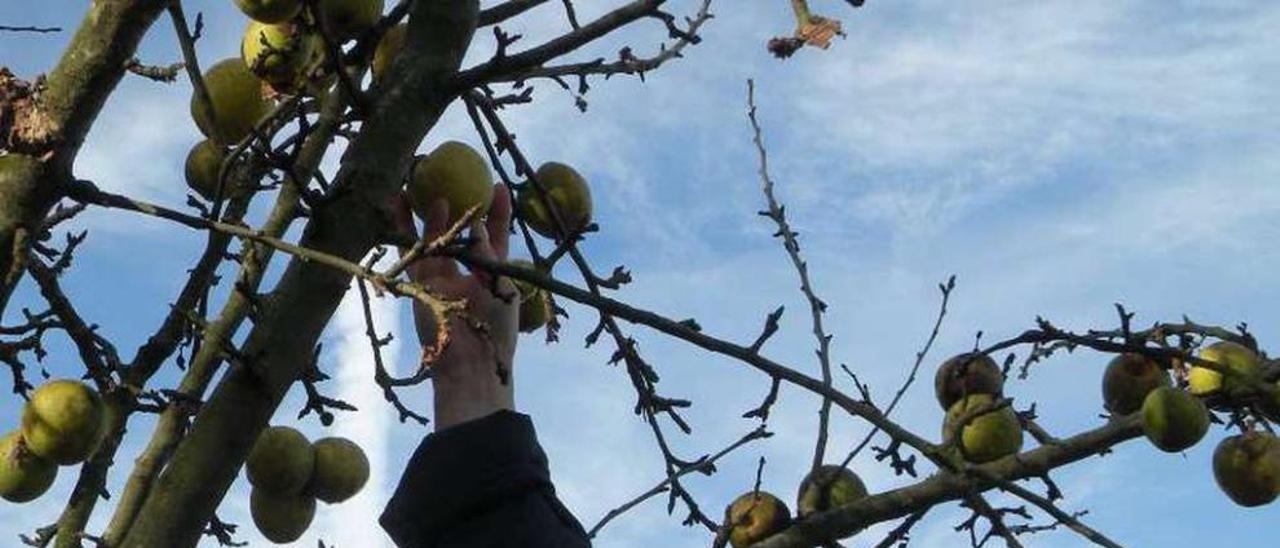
[[473, 376]]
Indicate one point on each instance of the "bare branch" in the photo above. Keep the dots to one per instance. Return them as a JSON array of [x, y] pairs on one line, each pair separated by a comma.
[[704, 465], [817, 308], [33, 29]]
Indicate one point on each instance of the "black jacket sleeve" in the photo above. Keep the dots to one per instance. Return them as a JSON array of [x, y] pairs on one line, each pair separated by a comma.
[[480, 484]]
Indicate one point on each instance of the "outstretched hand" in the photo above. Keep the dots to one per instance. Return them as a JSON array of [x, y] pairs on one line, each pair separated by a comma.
[[473, 376]]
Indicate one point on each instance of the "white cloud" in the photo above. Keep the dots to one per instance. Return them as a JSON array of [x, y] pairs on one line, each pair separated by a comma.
[[370, 427]]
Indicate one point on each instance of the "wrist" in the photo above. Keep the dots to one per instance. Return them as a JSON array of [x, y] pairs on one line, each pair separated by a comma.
[[463, 398]]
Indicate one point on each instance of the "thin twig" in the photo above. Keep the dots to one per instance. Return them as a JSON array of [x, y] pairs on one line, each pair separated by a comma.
[[790, 242]]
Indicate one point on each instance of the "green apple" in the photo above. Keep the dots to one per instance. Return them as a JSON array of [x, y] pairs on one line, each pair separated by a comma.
[[755, 516], [281, 518], [455, 173], [270, 11], [341, 469], [842, 486], [964, 374], [202, 167], [62, 421], [1127, 381], [535, 305], [281, 461], [990, 436], [348, 19], [1235, 356], [566, 191], [24, 476], [278, 54], [1173, 420], [1247, 468], [389, 48], [238, 102]]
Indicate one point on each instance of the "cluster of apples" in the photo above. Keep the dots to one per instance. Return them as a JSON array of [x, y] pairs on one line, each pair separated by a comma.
[[281, 53], [972, 383], [61, 425], [756, 515], [457, 174], [1246, 466], [289, 473], [969, 386]]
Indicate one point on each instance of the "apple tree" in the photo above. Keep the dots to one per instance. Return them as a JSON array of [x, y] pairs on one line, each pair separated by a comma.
[[378, 77]]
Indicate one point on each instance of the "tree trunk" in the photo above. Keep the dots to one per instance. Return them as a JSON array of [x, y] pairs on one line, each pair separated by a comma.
[[207, 461], [47, 133]]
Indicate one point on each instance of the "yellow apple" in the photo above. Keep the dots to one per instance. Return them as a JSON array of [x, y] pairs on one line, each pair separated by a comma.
[[1127, 381], [755, 516], [455, 173], [238, 102], [988, 437], [566, 191], [270, 11], [281, 461], [965, 374], [842, 487], [278, 54], [63, 421], [1235, 356], [348, 19], [341, 469], [24, 476], [1173, 420]]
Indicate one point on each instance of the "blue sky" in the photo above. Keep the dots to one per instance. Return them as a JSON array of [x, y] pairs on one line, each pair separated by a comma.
[[1056, 156]]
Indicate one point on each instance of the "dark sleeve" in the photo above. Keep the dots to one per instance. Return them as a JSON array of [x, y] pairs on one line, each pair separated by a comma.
[[483, 483]]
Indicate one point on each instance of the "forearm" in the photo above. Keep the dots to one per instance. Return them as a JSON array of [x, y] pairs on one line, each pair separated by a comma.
[[473, 394]]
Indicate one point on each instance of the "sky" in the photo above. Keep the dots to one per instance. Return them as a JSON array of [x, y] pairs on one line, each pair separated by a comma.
[[1056, 156]]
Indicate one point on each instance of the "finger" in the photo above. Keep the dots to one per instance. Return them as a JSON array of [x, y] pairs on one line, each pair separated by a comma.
[[499, 225], [436, 225], [402, 219], [482, 248]]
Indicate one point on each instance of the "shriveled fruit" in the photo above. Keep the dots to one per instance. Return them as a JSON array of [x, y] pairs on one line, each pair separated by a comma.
[[63, 421], [755, 516], [990, 436], [202, 167], [281, 461], [237, 99], [341, 469], [1128, 380], [455, 173], [24, 476], [281, 518], [389, 47], [347, 19], [968, 373], [842, 486], [1173, 419], [270, 11], [278, 54], [535, 306], [1247, 468], [1235, 356], [566, 190]]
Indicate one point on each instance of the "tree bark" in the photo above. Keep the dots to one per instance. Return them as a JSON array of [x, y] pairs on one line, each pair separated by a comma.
[[294, 315], [851, 518], [47, 133]]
